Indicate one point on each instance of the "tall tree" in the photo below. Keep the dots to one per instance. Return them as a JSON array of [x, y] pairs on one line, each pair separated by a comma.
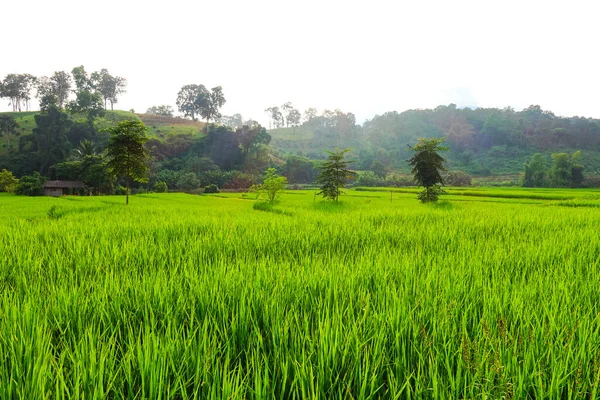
[[427, 168], [51, 137], [87, 101], [61, 83], [310, 114], [286, 108], [110, 87], [191, 100], [535, 172], [126, 152], [17, 88], [334, 174], [276, 117], [213, 102]]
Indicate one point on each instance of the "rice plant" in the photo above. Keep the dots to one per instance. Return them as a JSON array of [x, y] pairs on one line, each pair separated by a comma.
[[193, 297]]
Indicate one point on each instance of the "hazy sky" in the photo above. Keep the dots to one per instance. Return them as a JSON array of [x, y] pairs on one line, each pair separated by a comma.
[[367, 57]]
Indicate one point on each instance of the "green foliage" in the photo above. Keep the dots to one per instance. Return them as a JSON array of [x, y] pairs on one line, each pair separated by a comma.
[[457, 178], [212, 188], [427, 166], [334, 174], [126, 152], [8, 125], [369, 178], [8, 183], [379, 169], [163, 110], [51, 137], [161, 187], [535, 172], [272, 187], [188, 181], [31, 185]]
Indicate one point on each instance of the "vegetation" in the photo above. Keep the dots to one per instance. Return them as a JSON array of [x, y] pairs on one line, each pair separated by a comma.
[[31, 185], [126, 152], [8, 183], [334, 174], [427, 169], [272, 187], [387, 300]]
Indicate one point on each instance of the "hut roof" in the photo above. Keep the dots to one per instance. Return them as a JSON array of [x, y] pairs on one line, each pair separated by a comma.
[[64, 184]]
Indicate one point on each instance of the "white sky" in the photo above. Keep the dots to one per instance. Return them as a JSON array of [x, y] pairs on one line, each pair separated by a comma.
[[367, 57]]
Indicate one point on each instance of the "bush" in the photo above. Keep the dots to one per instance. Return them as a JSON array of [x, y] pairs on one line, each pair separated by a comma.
[[31, 185], [8, 183], [369, 178], [238, 180], [458, 178], [188, 181], [399, 180], [212, 188], [161, 187]]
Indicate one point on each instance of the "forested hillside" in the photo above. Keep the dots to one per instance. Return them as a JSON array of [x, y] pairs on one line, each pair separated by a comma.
[[483, 141]]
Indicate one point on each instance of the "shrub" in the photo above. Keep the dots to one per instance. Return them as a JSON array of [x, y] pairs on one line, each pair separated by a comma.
[[31, 185], [212, 188], [8, 183], [397, 180], [457, 178], [272, 187], [161, 187], [369, 178], [188, 181], [238, 180]]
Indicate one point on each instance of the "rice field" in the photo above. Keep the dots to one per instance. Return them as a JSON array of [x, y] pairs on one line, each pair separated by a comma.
[[195, 297]]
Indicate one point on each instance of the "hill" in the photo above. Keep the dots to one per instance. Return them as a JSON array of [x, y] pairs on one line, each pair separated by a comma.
[[158, 126], [482, 141]]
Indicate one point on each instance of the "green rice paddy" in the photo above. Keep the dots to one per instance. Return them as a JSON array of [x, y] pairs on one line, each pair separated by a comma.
[[490, 295]]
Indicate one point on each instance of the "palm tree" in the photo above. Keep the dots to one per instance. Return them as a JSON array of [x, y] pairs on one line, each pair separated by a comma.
[[85, 148]]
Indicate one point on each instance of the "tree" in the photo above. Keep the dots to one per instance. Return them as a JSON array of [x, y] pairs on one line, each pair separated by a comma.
[[8, 126], [378, 169], [286, 108], [427, 167], [51, 139], [272, 187], [8, 183], [110, 87], [576, 170], [87, 101], [535, 172], [17, 88], [161, 187], [334, 174], [560, 173], [126, 152], [310, 114], [164, 110], [191, 99], [31, 185], [61, 85], [293, 118], [566, 171], [209, 108], [276, 117], [85, 148], [54, 90]]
